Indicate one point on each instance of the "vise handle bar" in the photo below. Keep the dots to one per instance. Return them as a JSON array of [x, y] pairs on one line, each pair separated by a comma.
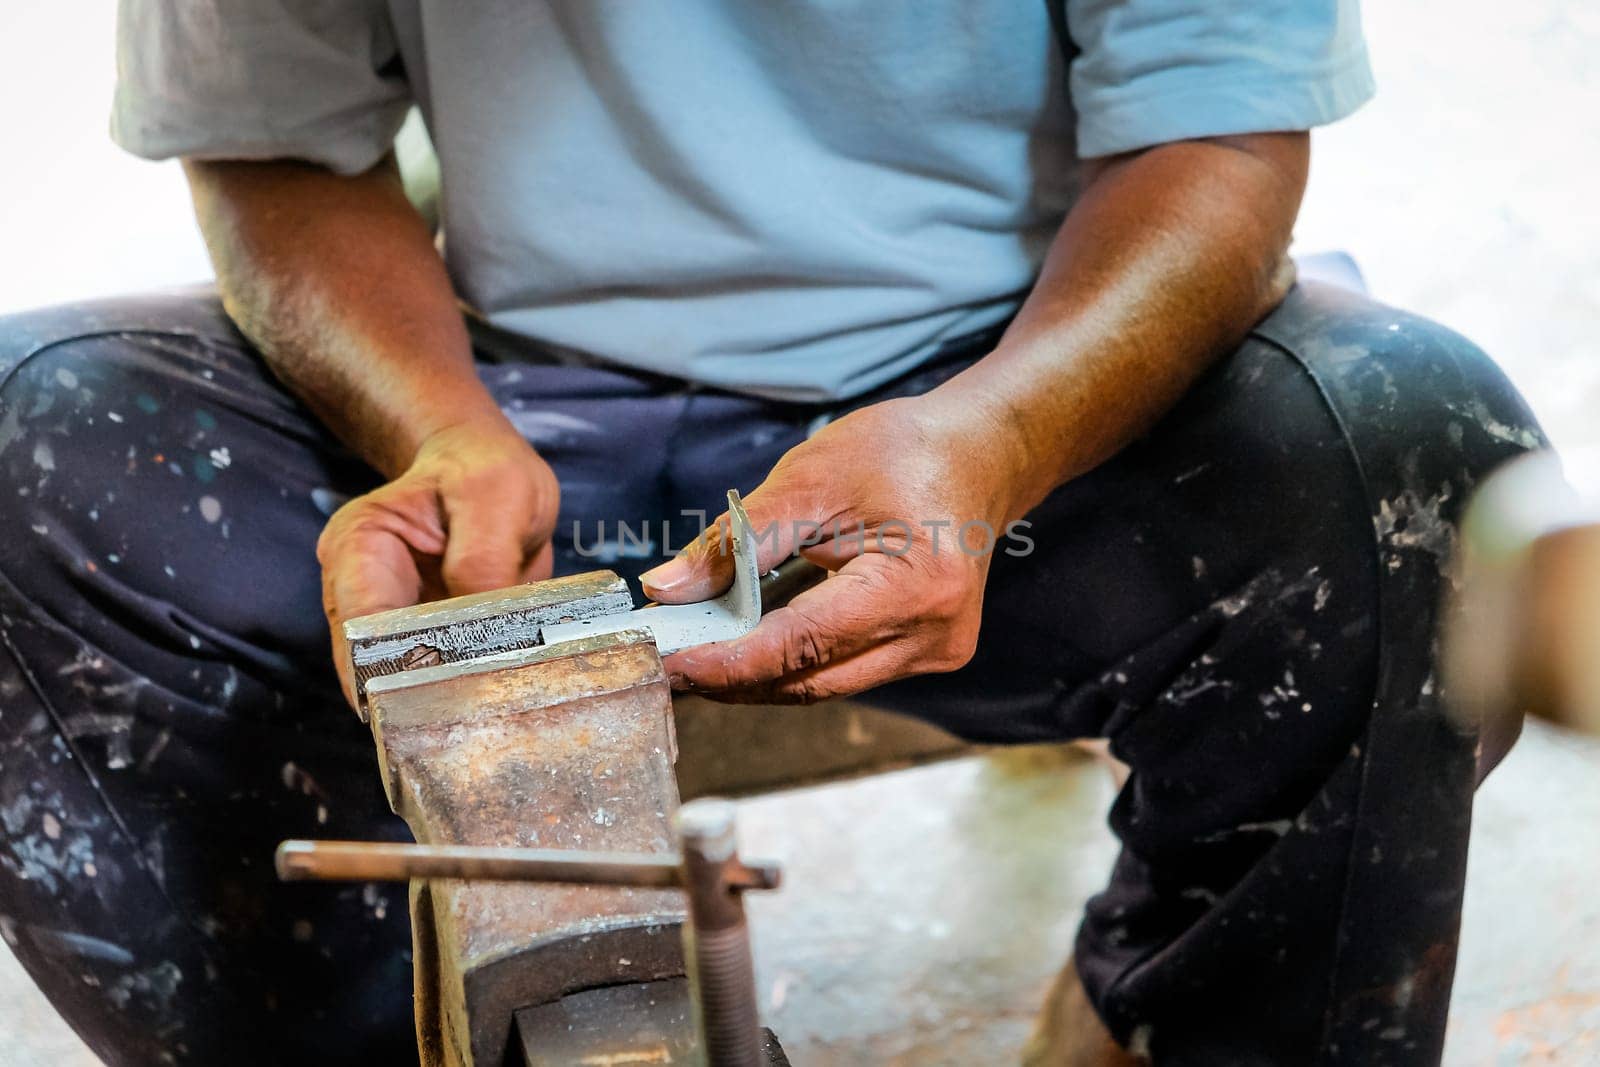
[[382, 861]]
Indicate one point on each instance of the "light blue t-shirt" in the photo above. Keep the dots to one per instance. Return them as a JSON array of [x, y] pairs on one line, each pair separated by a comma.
[[793, 198]]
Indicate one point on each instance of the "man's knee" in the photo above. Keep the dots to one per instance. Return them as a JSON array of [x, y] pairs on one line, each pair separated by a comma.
[[196, 312], [152, 471], [1428, 415], [49, 528], [1412, 394]]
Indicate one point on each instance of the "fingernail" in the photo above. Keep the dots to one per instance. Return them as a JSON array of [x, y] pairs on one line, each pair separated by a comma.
[[679, 681], [666, 575]]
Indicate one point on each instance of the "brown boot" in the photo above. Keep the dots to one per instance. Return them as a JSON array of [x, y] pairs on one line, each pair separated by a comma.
[[1068, 1033]]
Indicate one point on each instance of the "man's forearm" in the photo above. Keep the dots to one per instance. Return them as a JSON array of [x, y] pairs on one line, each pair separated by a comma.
[[336, 281], [1164, 263]]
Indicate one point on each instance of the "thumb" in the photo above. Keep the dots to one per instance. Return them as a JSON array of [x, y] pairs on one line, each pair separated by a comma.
[[782, 521]]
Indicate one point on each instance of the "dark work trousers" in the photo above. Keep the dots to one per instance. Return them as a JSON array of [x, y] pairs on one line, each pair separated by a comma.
[[1243, 602]]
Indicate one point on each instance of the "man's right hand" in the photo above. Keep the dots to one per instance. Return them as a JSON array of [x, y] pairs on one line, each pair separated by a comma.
[[337, 281], [474, 511]]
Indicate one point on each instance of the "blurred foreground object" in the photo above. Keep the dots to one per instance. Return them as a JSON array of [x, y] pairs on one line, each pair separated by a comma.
[[1523, 632]]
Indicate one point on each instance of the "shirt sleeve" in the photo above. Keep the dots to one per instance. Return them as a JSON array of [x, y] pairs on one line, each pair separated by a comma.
[[1152, 71], [317, 80]]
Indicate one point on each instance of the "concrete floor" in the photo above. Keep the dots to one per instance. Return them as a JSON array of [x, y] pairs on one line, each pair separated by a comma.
[[927, 910]]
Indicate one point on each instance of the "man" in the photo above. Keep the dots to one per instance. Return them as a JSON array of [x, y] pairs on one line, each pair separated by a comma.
[[896, 271]]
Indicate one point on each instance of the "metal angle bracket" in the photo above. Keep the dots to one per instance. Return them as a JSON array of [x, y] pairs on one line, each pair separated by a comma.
[[680, 626]]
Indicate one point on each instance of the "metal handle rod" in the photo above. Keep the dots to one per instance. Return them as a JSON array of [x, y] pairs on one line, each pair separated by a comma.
[[378, 861]]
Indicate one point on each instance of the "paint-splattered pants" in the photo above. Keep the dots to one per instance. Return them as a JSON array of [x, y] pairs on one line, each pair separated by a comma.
[[1243, 602]]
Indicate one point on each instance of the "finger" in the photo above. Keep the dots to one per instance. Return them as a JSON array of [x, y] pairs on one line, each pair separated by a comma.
[[365, 570], [841, 617], [782, 520], [857, 674], [489, 541], [835, 552], [368, 554], [542, 565]]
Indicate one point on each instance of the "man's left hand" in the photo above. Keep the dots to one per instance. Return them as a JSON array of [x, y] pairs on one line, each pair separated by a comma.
[[903, 502]]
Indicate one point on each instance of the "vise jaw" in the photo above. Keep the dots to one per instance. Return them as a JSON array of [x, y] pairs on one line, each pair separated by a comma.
[[551, 613]]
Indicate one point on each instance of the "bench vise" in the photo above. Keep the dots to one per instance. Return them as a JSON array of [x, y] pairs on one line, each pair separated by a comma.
[[526, 737]]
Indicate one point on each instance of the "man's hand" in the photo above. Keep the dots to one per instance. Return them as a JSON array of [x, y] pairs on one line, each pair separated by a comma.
[[336, 280], [1162, 265], [473, 512], [880, 498]]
